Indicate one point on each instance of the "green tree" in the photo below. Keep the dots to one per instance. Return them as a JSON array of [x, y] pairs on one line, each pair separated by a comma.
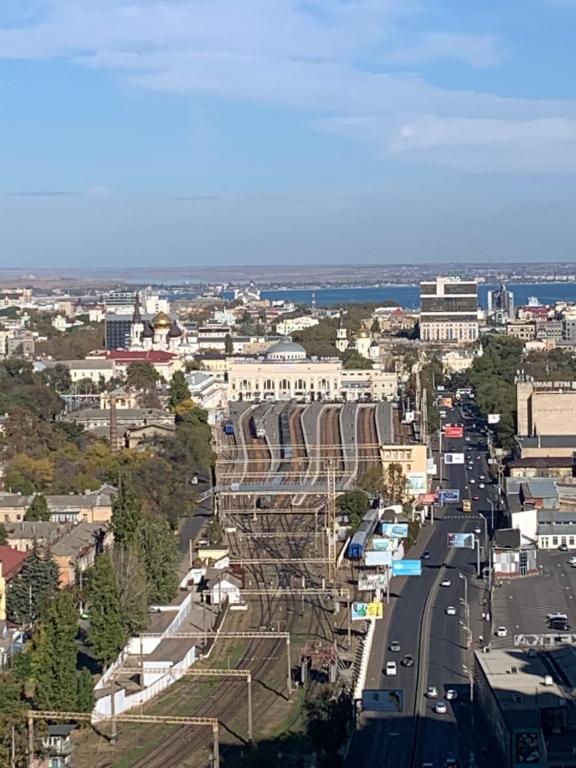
[[355, 504], [328, 719], [228, 344], [84, 691], [126, 516], [38, 509], [142, 375], [107, 633], [375, 327], [353, 360], [132, 588], [160, 558], [12, 710], [54, 655], [388, 482], [3, 534], [58, 377], [178, 391], [372, 481], [31, 588]]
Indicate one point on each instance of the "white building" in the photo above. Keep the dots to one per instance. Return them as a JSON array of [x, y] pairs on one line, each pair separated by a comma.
[[449, 311], [293, 324]]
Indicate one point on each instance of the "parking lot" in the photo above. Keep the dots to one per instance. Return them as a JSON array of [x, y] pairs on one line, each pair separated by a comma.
[[521, 605]]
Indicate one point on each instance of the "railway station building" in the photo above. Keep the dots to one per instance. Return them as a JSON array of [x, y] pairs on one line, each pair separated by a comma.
[[285, 373]]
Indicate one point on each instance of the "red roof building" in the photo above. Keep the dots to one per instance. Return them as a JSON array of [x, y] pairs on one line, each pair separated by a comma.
[[12, 561]]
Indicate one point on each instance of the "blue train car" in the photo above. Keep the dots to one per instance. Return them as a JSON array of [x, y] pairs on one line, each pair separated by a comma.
[[228, 428], [365, 530]]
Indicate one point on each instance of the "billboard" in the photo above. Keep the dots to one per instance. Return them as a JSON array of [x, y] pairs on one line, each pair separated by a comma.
[[427, 498], [363, 611], [527, 748], [409, 417], [383, 559], [382, 701], [493, 418], [453, 431], [417, 482], [407, 568], [449, 496], [372, 581], [394, 530], [382, 545], [445, 402], [461, 540], [453, 458]]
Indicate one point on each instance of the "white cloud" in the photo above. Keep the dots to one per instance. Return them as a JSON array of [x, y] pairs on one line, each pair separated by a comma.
[[479, 51], [322, 56]]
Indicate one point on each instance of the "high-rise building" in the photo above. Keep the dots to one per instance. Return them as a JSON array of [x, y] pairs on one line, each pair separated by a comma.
[[501, 305], [449, 310]]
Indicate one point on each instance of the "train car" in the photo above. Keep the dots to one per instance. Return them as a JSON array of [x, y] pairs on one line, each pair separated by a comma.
[[228, 428], [365, 530]]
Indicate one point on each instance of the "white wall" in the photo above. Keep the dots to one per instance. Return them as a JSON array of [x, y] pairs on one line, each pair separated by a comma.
[[526, 522]]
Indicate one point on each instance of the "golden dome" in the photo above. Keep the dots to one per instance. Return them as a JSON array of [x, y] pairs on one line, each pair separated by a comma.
[[363, 334], [161, 320]]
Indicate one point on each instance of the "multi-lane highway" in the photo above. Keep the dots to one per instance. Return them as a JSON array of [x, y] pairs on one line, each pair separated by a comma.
[[419, 621]]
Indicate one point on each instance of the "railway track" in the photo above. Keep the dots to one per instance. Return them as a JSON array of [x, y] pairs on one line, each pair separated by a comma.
[[368, 446]]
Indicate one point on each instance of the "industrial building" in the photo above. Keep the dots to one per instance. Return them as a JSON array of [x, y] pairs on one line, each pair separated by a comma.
[[449, 311], [546, 408]]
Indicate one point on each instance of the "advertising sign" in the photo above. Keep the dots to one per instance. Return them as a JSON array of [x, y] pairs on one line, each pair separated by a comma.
[[363, 611], [394, 530], [427, 498], [409, 417], [407, 568], [382, 701], [461, 540], [453, 458], [454, 431], [527, 747], [493, 418], [445, 402], [449, 496], [382, 559], [382, 545], [372, 581], [416, 482], [431, 468]]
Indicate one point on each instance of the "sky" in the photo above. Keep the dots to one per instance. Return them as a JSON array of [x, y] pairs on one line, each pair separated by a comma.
[[199, 132]]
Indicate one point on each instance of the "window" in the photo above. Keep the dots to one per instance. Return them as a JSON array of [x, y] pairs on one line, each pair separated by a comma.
[[554, 541], [544, 542]]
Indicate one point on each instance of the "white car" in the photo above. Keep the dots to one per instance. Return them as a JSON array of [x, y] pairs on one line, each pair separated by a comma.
[[451, 694], [391, 668], [572, 561], [556, 615], [441, 708], [451, 611], [394, 646], [471, 481], [481, 485], [477, 531], [446, 583], [501, 632], [432, 692]]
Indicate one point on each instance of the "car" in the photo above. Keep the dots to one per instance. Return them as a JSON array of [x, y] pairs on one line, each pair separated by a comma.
[[471, 481], [572, 561], [558, 623], [451, 611], [446, 583], [391, 668], [427, 765], [501, 632], [441, 708], [394, 646], [432, 692], [408, 660], [556, 615], [478, 458], [451, 762], [482, 477], [425, 555], [562, 548], [475, 498], [481, 485], [467, 439], [477, 531], [560, 627], [451, 694]]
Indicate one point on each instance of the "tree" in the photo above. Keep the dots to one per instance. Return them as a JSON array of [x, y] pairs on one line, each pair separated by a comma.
[[3, 534], [160, 558], [126, 516], [132, 588], [142, 375], [228, 344], [31, 588], [354, 504], [58, 377], [178, 391], [394, 484], [353, 360], [54, 655], [372, 481], [327, 718], [38, 509], [107, 633], [375, 327], [84, 691], [12, 709]]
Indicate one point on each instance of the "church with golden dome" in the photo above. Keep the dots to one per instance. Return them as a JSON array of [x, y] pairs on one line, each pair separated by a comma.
[[161, 332]]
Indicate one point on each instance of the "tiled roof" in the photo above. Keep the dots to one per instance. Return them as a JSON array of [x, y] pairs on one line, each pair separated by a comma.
[[12, 560]]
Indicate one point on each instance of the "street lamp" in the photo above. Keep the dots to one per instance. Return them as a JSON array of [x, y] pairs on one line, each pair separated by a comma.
[[469, 671], [466, 611]]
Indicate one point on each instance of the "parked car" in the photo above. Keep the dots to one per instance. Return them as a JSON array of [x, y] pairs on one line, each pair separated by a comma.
[[562, 548]]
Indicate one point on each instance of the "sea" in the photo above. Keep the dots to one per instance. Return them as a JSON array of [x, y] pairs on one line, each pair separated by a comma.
[[408, 296]]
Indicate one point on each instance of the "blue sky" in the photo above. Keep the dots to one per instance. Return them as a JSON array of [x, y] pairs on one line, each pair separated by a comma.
[[186, 132]]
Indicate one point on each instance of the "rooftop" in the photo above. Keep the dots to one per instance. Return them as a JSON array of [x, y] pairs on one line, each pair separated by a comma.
[[80, 538], [12, 560]]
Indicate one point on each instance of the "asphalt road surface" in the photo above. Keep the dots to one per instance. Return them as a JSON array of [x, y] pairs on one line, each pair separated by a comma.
[[395, 740]]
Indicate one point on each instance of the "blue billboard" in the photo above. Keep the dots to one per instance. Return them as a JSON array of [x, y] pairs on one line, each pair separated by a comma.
[[449, 496], [394, 530], [406, 568], [382, 701]]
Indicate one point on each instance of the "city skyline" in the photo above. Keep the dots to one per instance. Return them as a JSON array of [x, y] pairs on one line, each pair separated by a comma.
[[369, 131]]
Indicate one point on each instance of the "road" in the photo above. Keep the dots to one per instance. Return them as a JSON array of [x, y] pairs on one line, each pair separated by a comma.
[[398, 740]]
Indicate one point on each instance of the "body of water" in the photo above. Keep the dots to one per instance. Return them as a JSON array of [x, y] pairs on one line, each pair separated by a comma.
[[409, 295]]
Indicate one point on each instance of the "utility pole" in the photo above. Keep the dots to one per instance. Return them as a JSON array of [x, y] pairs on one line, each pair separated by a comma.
[[331, 504]]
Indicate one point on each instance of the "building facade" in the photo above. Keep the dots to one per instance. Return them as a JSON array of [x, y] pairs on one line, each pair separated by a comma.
[[449, 311]]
